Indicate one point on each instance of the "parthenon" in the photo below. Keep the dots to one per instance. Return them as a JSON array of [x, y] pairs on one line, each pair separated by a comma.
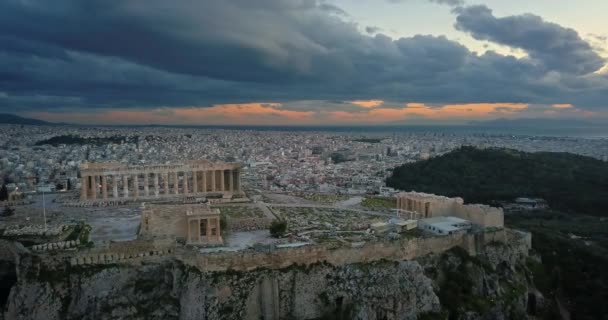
[[112, 181]]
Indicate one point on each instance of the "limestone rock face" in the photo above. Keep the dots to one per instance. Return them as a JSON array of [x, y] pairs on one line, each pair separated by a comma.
[[495, 289]]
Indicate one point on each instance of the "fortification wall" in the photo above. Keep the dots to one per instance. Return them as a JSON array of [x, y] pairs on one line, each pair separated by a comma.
[[480, 214], [405, 249], [132, 252]]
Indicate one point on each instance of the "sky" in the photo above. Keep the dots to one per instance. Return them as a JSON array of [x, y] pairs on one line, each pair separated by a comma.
[[303, 62]]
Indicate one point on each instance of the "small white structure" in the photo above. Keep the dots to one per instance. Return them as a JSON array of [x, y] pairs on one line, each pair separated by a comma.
[[379, 227], [403, 225], [444, 225]]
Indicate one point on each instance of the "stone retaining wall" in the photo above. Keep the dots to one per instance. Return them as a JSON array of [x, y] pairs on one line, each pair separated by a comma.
[[404, 249]]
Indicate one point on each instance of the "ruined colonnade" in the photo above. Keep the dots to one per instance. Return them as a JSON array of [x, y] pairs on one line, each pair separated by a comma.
[[111, 181]]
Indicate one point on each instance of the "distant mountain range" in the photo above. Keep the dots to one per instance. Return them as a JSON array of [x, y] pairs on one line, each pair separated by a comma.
[[540, 123], [13, 119]]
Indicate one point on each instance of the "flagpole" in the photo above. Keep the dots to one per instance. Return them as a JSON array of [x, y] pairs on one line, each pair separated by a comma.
[[44, 210]]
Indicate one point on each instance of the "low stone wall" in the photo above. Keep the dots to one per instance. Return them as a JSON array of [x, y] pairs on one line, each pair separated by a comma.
[[124, 250], [15, 203], [61, 245], [111, 257], [36, 230], [248, 224]]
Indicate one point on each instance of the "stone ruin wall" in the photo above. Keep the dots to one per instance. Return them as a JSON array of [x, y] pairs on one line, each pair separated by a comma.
[[479, 214], [122, 251], [439, 206], [405, 249], [132, 252], [248, 224]]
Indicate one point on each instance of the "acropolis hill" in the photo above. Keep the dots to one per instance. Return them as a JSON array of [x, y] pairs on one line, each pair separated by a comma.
[[202, 248]]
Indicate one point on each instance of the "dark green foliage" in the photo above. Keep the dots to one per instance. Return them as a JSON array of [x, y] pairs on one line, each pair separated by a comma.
[[316, 150], [72, 139], [8, 211], [456, 290], [433, 316], [338, 157], [223, 223], [3, 193], [573, 269], [568, 182], [278, 228]]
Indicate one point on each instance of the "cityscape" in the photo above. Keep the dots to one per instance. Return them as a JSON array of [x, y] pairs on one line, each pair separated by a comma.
[[303, 159]]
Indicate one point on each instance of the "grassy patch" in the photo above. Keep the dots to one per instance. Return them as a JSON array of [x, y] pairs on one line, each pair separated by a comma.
[[379, 202]]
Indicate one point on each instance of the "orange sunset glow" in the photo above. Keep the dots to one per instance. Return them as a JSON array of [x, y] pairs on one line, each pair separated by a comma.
[[260, 113]]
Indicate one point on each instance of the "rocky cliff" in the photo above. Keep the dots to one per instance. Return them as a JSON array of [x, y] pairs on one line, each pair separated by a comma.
[[492, 285]]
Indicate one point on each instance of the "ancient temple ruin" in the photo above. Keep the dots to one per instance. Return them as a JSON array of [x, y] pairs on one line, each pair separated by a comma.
[[191, 224], [418, 205], [110, 181]]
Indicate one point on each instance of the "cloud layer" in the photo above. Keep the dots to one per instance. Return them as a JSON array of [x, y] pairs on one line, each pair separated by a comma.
[[72, 54]]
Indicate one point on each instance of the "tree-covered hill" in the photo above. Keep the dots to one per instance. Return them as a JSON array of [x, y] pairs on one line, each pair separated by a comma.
[[568, 182]]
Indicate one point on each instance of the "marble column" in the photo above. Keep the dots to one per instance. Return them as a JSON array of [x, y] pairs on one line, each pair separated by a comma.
[[204, 184], [185, 181], [125, 186], [195, 182], [176, 182], [222, 180], [156, 191], [230, 181], [146, 185], [94, 187], [115, 186], [166, 182], [84, 180], [104, 187], [198, 230], [213, 174], [238, 180], [136, 185]]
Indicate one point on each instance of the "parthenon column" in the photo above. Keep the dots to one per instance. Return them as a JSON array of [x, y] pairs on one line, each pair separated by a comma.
[[94, 187], [230, 181], [83, 187], [222, 182], [104, 188], [115, 186], [185, 182], [136, 185], [125, 186], [204, 184], [146, 190], [156, 192], [195, 182], [238, 179], [176, 182], [213, 172], [166, 182]]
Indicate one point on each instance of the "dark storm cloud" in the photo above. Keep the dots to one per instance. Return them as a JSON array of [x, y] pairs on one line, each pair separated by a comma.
[[158, 53], [372, 29], [556, 47]]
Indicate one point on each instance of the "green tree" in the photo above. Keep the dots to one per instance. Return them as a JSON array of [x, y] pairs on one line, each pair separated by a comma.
[[3, 193], [278, 228], [8, 211]]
